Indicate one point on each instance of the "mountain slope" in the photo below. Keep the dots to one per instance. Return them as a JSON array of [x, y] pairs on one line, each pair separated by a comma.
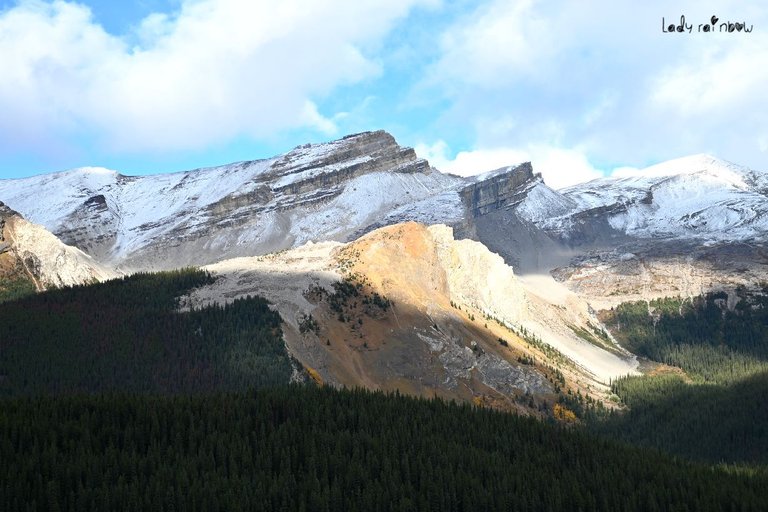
[[697, 197], [682, 227], [315, 192], [127, 335], [342, 189], [334, 191], [30, 253], [452, 301]]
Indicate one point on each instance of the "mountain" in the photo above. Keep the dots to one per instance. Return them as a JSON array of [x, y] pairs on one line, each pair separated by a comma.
[[334, 191], [316, 192], [32, 258], [344, 189], [682, 227], [699, 197], [450, 322], [553, 258]]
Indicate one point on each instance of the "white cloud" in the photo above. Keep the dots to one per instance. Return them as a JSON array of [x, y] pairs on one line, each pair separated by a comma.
[[500, 39], [558, 166], [601, 76], [213, 70], [311, 117], [762, 143], [716, 81]]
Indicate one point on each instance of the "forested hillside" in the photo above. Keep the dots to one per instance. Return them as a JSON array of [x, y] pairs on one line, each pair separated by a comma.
[[702, 336], [716, 412], [128, 335], [304, 448], [115, 399]]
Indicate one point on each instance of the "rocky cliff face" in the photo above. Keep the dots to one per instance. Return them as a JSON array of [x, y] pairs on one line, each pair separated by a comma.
[[346, 159], [30, 253], [494, 214], [451, 302], [505, 187], [5, 213]]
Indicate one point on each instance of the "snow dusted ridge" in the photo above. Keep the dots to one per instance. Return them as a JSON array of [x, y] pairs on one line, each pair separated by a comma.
[[343, 189], [331, 191], [699, 197]]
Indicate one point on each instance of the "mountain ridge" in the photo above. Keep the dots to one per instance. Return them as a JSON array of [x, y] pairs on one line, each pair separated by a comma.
[[254, 207], [502, 246], [29, 253], [345, 188]]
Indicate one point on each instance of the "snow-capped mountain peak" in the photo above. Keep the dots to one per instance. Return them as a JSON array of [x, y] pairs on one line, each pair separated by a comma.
[[698, 196], [342, 189], [314, 192], [705, 166]]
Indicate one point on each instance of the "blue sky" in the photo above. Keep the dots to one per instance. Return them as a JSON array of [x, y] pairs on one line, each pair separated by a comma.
[[579, 88]]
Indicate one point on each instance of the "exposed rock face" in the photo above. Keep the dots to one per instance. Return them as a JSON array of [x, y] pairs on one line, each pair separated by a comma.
[[451, 302], [505, 187], [30, 252], [92, 227], [365, 153], [493, 216], [643, 271], [5, 212]]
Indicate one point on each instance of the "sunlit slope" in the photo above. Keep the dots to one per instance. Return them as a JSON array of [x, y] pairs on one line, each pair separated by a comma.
[[408, 307]]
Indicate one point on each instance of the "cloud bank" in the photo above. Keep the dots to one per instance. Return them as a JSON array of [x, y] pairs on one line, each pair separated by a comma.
[[212, 71], [598, 84]]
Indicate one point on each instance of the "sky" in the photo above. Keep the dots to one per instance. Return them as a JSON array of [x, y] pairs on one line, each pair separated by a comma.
[[581, 89]]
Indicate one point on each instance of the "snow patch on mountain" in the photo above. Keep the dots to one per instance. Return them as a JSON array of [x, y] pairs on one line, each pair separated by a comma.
[[542, 203], [367, 196], [699, 197]]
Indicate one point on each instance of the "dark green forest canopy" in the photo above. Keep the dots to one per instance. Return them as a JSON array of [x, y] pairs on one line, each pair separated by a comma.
[[721, 416], [113, 399], [128, 335], [16, 287], [702, 336], [304, 448]]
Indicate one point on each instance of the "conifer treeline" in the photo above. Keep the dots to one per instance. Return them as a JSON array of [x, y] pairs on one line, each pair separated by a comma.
[[303, 448], [719, 417], [127, 335], [16, 287], [702, 336], [87, 424]]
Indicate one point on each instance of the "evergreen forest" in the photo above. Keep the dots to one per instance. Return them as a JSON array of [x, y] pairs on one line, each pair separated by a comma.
[[715, 410], [128, 335], [308, 448], [115, 397]]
